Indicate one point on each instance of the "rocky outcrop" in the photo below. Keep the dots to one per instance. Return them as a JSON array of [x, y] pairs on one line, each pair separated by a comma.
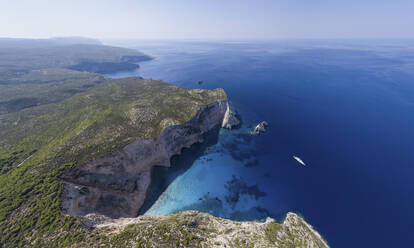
[[230, 119], [115, 185], [195, 229], [260, 128]]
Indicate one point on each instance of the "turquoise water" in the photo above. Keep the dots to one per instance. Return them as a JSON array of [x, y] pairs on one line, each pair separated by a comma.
[[345, 107], [211, 183]]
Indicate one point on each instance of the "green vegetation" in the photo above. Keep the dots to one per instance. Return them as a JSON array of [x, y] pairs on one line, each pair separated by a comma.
[[103, 67], [271, 231], [175, 231], [195, 229], [16, 60], [43, 87], [53, 137], [32, 71], [52, 119]]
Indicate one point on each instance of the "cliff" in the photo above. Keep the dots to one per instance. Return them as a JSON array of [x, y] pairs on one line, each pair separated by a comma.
[[115, 185]]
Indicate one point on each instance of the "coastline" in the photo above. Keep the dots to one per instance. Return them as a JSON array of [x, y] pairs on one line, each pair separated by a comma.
[[211, 231], [162, 177], [115, 185]]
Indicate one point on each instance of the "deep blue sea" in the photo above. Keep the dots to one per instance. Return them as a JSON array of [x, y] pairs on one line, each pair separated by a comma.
[[346, 108]]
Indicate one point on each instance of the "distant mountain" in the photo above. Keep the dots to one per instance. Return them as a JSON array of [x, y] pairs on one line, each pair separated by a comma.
[[20, 56], [40, 43], [76, 40]]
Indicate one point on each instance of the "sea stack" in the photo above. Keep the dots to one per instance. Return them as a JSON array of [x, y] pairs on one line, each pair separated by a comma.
[[260, 128]]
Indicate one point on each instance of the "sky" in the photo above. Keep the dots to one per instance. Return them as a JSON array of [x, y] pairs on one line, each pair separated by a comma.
[[208, 19]]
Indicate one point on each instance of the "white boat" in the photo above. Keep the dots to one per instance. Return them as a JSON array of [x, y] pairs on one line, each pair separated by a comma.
[[299, 160]]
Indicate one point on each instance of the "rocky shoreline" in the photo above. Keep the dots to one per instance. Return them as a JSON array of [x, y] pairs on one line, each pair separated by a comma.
[[196, 229], [115, 185]]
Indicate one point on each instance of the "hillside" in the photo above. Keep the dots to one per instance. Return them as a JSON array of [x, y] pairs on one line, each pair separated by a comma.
[[20, 56], [40, 142]]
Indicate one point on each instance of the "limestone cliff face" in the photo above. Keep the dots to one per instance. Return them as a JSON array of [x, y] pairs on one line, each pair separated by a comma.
[[115, 185]]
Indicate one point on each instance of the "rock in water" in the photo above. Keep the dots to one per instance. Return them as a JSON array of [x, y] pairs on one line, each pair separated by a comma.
[[200, 82], [260, 128], [230, 119]]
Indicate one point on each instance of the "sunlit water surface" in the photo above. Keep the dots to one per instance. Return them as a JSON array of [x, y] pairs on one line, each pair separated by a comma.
[[345, 108]]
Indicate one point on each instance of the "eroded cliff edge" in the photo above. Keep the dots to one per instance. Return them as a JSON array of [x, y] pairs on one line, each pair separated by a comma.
[[115, 185], [196, 229]]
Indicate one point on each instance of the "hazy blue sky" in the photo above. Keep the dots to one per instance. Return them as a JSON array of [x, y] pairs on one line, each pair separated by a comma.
[[208, 19]]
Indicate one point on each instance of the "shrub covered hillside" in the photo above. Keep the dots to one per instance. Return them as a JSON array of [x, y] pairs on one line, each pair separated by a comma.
[[38, 143], [195, 229], [20, 56]]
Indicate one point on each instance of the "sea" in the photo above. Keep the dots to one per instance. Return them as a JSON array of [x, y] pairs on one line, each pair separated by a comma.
[[344, 107]]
